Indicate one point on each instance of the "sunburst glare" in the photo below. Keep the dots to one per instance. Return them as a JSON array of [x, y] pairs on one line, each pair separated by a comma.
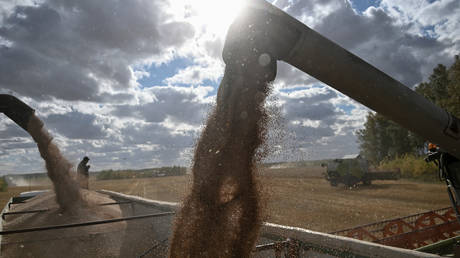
[[214, 16]]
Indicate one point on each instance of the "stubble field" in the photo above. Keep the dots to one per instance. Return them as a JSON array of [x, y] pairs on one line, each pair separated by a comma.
[[300, 197]]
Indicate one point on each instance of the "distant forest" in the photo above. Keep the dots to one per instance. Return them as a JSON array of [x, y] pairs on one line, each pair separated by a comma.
[[383, 141], [141, 173]]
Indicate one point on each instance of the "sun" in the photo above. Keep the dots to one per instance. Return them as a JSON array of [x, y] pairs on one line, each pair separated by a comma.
[[215, 16]]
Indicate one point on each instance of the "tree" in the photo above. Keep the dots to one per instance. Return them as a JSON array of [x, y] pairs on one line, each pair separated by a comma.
[[369, 140], [436, 88], [443, 87], [453, 89], [383, 139], [3, 184]]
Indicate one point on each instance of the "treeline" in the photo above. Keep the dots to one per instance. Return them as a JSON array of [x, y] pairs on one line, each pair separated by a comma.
[[3, 184], [142, 173], [383, 142]]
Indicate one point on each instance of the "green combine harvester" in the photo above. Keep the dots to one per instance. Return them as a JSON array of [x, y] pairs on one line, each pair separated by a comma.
[[353, 169]]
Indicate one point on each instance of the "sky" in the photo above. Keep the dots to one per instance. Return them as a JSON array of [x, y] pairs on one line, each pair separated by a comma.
[[130, 83]]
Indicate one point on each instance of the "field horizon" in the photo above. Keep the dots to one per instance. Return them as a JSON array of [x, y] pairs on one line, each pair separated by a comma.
[[298, 196]]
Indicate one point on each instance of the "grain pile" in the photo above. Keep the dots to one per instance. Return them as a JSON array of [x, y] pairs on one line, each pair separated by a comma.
[[91, 241], [58, 168], [122, 239], [221, 216]]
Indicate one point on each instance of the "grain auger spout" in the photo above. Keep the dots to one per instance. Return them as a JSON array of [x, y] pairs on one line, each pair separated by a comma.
[[288, 40], [59, 169], [16, 110]]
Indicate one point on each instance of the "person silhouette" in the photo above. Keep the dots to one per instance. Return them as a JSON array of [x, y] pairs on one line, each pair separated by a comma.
[[83, 173]]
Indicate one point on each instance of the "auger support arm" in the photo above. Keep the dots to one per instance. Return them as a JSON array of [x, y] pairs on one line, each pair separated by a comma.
[[289, 40]]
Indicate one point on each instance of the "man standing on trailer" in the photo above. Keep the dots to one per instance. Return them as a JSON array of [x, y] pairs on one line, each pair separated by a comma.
[[83, 173]]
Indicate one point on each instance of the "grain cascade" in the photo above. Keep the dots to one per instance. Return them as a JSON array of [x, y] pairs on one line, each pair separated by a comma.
[[58, 168], [221, 215]]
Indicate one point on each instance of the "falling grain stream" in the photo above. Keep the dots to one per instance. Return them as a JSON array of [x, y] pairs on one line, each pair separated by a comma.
[[221, 216], [58, 168]]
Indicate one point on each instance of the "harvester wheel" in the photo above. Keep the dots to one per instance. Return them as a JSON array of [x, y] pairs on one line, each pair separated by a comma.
[[333, 183], [351, 181]]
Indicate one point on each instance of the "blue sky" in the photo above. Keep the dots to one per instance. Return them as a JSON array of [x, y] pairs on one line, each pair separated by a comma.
[[362, 5], [140, 83], [157, 73]]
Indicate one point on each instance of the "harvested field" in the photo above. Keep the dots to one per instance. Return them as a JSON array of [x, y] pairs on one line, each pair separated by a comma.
[[313, 204], [300, 197]]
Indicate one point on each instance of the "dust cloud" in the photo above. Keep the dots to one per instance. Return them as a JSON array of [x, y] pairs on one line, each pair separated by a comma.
[[221, 217], [58, 168]]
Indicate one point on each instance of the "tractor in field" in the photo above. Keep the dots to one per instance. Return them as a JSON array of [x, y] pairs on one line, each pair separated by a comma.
[[352, 169]]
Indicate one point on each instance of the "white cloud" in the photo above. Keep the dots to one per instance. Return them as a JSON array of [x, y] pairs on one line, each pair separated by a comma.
[[197, 74], [438, 19], [80, 63], [77, 50]]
